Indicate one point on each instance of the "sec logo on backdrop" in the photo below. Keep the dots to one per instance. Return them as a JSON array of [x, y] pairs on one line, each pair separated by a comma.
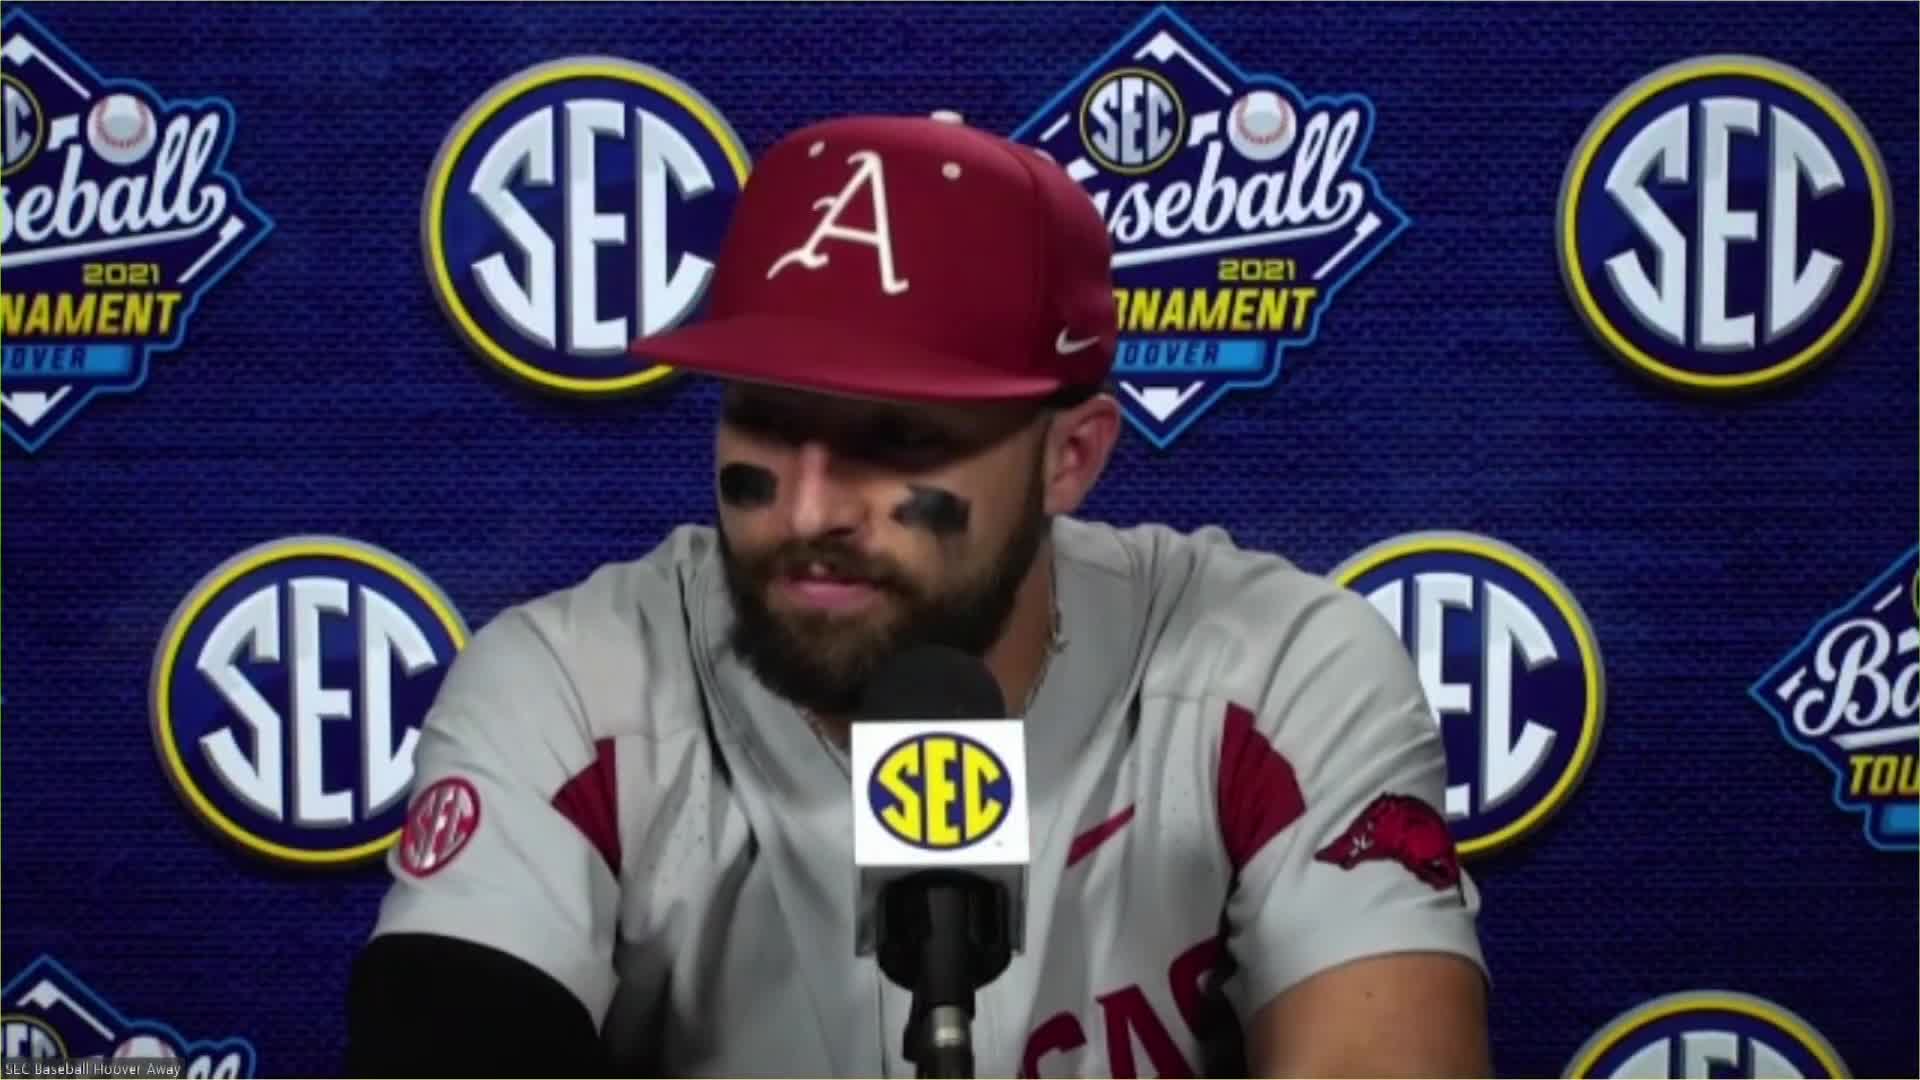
[[1724, 223], [288, 691], [1509, 665], [1705, 1035], [577, 206], [940, 791]]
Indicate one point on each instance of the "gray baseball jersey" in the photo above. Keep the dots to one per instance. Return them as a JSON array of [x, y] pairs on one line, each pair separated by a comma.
[[1231, 778]]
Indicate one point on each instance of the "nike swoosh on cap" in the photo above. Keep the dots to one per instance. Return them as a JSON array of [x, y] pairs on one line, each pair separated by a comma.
[[1066, 346]]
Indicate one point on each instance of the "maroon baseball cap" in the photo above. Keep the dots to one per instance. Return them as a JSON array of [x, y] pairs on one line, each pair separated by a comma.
[[910, 258]]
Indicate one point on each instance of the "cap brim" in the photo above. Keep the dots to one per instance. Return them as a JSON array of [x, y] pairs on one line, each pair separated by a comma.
[[829, 357]]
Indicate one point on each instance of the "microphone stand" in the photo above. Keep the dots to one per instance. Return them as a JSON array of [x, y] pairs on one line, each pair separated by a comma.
[[943, 934]]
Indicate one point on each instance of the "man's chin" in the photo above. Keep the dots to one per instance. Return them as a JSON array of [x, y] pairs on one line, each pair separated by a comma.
[[822, 680], [839, 644], [815, 647]]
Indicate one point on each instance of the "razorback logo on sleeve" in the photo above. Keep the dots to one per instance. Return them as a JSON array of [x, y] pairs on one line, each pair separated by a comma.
[[1403, 829]]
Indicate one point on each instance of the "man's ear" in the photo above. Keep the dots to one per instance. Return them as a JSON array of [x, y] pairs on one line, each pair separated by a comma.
[[1079, 442]]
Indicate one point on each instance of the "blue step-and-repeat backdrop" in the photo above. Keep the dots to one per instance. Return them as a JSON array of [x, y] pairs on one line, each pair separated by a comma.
[[1580, 338]]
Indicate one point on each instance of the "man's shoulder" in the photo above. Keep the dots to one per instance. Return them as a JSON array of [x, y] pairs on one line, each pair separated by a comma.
[[1200, 576], [635, 599], [618, 642], [1227, 620]]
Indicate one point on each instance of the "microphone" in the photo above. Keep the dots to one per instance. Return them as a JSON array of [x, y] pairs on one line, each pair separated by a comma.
[[940, 842]]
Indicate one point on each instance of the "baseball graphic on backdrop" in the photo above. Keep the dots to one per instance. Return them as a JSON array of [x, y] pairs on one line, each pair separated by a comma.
[[1261, 125], [146, 1046], [120, 128]]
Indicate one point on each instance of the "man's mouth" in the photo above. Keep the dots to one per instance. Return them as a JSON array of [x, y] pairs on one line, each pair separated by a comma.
[[820, 587]]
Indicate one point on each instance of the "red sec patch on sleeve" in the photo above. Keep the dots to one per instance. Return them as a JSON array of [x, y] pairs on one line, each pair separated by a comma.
[[443, 817]]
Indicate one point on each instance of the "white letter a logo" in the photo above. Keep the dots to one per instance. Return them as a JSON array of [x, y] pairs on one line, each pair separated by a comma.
[[870, 175]]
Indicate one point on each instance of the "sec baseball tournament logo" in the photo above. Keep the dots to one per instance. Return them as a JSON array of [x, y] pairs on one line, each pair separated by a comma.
[[1849, 695], [1724, 223], [1238, 207], [288, 692], [119, 218], [47, 1013], [1510, 668], [1706, 1035], [577, 206], [940, 791]]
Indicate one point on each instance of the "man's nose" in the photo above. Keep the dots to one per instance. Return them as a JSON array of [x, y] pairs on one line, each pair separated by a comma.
[[822, 502]]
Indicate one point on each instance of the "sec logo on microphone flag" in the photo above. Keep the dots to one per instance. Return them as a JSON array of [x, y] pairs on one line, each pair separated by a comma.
[[941, 791], [929, 793]]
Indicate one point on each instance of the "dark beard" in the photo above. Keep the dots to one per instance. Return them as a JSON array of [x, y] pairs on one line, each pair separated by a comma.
[[821, 663]]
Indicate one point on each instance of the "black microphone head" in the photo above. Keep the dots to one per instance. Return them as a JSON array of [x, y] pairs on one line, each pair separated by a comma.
[[931, 682]]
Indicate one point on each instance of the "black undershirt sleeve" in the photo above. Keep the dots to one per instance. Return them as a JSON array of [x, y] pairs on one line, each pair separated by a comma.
[[427, 1005]]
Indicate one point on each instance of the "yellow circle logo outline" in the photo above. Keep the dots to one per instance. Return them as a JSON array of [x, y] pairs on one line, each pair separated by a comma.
[[440, 176], [39, 126], [888, 791], [1179, 131], [35, 1022], [186, 617], [1636, 1019], [1593, 678], [1810, 90]]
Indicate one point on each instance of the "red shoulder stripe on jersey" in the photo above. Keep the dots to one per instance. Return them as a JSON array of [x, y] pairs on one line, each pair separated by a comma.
[[590, 800], [1259, 795]]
